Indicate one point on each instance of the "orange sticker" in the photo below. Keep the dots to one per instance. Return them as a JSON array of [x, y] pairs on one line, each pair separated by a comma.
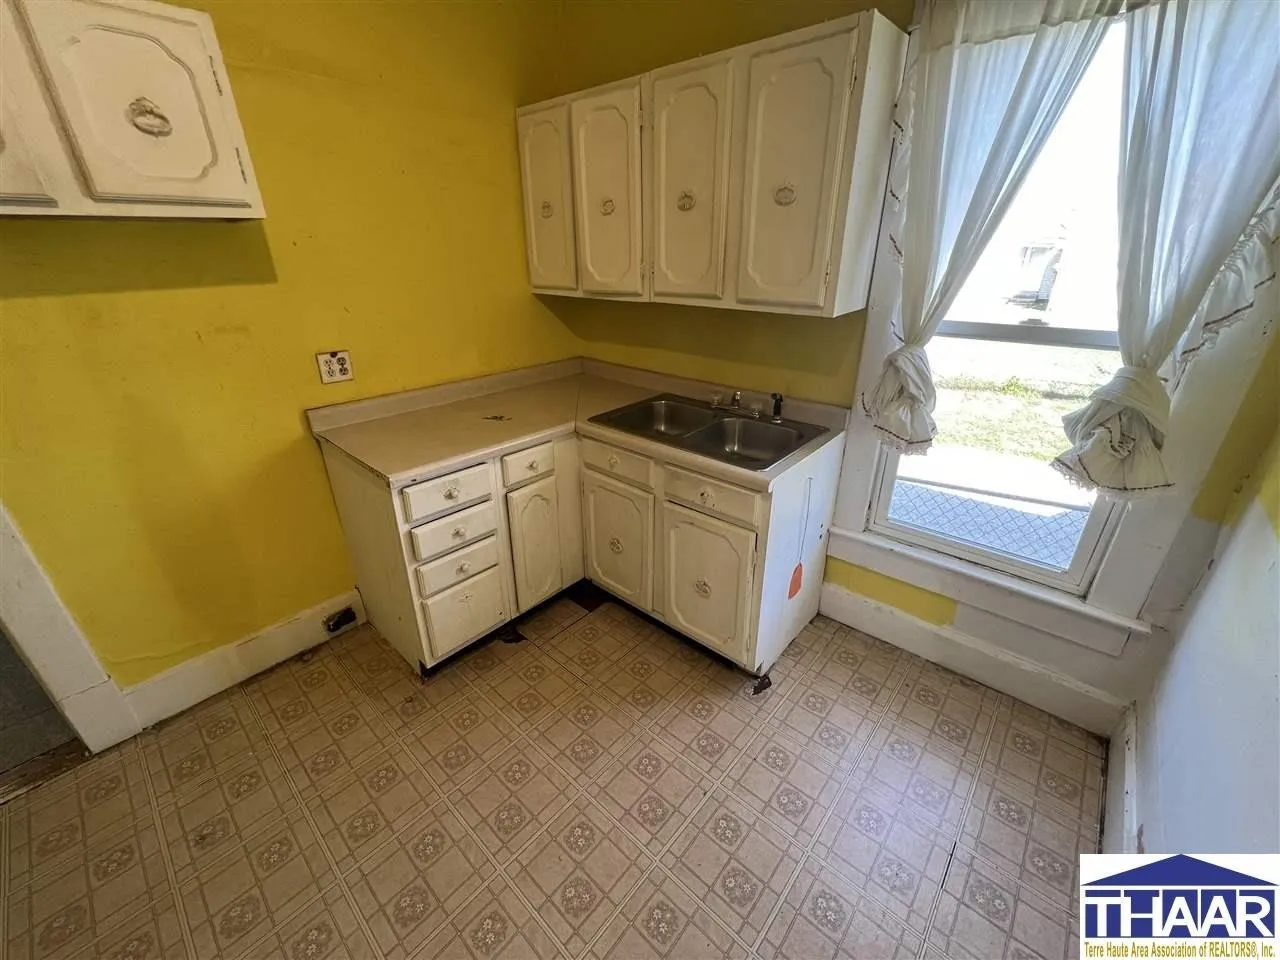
[[797, 577]]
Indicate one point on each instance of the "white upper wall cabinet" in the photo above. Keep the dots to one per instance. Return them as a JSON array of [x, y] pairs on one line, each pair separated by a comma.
[[692, 117], [123, 109], [606, 162], [795, 108], [763, 180], [548, 197]]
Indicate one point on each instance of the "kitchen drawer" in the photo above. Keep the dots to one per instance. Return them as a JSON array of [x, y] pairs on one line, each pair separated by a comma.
[[430, 497], [618, 463], [449, 533], [710, 495], [451, 568], [527, 464], [465, 611]]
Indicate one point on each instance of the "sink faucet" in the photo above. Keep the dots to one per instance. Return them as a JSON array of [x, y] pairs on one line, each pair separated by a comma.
[[734, 402], [777, 407]]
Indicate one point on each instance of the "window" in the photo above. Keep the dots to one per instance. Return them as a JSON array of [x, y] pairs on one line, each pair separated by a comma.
[[1030, 336]]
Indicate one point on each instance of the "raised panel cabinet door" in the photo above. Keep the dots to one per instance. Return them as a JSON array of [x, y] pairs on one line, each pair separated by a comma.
[[606, 172], [619, 535], [138, 90], [545, 170], [795, 118], [534, 516], [692, 113], [20, 181], [708, 578]]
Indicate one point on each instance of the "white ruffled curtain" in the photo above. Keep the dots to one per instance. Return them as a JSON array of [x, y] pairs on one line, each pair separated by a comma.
[[1200, 159], [986, 86]]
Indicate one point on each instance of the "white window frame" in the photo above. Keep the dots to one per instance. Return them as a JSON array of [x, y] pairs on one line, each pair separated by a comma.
[[1139, 576], [1104, 515], [1036, 336]]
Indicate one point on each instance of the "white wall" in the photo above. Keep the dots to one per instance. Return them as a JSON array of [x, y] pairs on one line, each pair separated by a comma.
[[1208, 736]]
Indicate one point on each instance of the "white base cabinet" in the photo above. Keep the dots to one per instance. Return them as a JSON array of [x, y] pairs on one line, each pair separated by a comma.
[[534, 516], [738, 570], [708, 572], [618, 524], [450, 555], [752, 178]]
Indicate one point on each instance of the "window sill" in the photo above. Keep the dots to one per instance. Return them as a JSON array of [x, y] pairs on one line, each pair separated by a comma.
[[1051, 611]]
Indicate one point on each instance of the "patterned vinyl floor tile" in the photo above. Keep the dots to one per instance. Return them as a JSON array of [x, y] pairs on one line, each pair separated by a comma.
[[588, 785]]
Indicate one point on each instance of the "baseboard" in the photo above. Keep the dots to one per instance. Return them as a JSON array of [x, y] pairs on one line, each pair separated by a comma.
[[179, 688], [1037, 684]]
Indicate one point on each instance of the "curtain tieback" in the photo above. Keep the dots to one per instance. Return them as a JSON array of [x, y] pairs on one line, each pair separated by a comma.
[[911, 364], [1133, 390]]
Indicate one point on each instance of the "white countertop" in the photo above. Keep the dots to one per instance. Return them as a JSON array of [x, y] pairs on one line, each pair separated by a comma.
[[415, 444]]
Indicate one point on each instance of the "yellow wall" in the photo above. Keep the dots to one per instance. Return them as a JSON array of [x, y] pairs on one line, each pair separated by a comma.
[[153, 375], [800, 356], [920, 603], [1267, 482], [1255, 424]]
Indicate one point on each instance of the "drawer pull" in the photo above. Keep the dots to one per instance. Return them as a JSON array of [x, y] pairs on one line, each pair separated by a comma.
[[459, 533], [613, 461], [615, 545], [705, 496], [464, 567], [465, 598], [702, 587], [533, 466], [451, 493]]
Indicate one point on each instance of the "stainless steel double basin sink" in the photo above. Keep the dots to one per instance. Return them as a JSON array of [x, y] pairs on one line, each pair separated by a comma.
[[721, 433]]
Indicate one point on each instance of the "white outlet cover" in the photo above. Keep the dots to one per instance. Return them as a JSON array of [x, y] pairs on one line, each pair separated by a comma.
[[335, 366]]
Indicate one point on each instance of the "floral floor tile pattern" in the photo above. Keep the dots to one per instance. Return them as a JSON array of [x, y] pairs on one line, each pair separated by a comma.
[[602, 789]]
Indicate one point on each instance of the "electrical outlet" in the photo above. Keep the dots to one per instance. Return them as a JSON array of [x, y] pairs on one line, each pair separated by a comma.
[[335, 366]]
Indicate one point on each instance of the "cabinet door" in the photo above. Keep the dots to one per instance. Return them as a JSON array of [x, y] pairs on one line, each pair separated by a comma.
[[21, 178], [708, 578], [619, 534], [138, 91], [691, 119], [535, 541], [20, 181], [466, 611], [606, 172], [795, 115], [548, 198]]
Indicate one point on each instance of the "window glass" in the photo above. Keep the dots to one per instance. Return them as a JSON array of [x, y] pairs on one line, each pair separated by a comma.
[[1052, 261], [986, 480]]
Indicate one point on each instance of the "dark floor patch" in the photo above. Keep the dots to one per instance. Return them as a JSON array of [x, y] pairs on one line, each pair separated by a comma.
[[585, 594], [14, 783]]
